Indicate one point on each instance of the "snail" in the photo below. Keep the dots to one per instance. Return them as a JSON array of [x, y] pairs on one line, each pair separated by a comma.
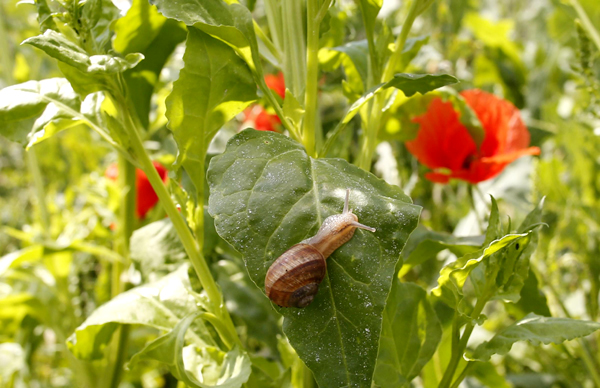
[[293, 279]]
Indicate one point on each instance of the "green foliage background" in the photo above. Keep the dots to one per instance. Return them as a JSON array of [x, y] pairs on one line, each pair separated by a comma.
[[66, 320]]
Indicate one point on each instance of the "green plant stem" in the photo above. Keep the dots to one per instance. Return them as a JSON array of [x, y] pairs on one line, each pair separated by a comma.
[[268, 43], [312, 74], [187, 239], [587, 23], [462, 375], [369, 139], [458, 351], [294, 61], [40, 193], [127, 186]]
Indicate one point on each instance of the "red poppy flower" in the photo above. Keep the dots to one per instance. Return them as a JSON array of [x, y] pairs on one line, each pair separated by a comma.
[[261, 120], [276, 83], [146, 197], [444, 144]]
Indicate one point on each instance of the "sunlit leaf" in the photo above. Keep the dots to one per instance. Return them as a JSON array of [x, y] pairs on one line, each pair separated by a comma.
[[59, 47], [197, 367], [160, 304], [534, 329], [267, 195], [212, 88]]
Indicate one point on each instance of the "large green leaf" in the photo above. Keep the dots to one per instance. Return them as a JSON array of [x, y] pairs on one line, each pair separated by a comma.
[[161, 305], [410, 335], [267, 195], [534, 329], [146, 31], [204, 367], [27, 109], [58, 46], [214, 86], [230, 23]]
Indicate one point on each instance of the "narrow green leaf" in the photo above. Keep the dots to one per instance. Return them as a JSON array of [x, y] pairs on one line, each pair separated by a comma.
[[534, 329], [267, 195], [25, 255], [205, 367], [59, 47], [410, 335], [160, 304], [354, 57], [214, 86]]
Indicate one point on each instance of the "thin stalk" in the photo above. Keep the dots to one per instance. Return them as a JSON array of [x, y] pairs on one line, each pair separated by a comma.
[[294, 62], [273, 14], [458, 352], [369, 138], [127, 185], [312, 74], [40, 193], [278, 110], [462, 375], [187, 239], [265, 39], [587, 23]]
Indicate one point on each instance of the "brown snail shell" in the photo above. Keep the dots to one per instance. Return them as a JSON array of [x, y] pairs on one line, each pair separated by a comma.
[[293, 279]]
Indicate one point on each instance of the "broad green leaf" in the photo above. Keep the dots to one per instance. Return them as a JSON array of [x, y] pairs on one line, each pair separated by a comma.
[[197, 367], [212, 88], [59, 47], [354, 57], [410, 335], [534, 329], [26, 109], [157, 249], [267, 195], [230, 23], [146, 31], [135, 31], [160, 304]]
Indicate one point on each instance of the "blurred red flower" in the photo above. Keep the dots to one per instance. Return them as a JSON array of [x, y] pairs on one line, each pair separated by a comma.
[[257, 116], [276, 83], [444, 144], [146, 197]]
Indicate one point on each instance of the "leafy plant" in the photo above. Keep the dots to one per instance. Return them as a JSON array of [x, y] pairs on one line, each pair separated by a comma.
[[248, 121]]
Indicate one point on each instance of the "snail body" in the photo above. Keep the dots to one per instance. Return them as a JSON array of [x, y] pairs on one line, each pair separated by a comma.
[[293, 279]]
